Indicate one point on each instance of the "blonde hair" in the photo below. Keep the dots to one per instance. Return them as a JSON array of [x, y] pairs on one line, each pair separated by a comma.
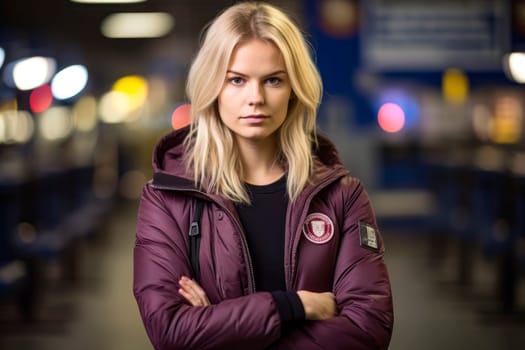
[[212, 153]]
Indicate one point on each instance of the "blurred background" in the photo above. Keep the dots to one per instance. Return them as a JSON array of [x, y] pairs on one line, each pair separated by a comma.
[[424, 99]]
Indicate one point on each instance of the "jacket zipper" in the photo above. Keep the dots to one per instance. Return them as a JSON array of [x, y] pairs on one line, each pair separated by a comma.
[[246, 251], [306, 205], [248, 257]]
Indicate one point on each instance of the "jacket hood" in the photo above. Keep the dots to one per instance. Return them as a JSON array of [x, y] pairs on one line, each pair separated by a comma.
[[326, 152], [169, 153]]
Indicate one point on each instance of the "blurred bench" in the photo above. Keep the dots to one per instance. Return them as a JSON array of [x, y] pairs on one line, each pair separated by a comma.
[[480, 202], [13, 271], [44, 219]]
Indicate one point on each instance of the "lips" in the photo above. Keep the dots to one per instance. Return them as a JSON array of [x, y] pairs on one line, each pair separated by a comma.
[[256, 116]]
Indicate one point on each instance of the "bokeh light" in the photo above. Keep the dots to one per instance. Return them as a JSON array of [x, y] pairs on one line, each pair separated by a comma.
[[85, 113], [405, 100], [124, 25], [455, 86], [16, 126], [339, 18], [391, 117], [181, 116], [114, 107], [30, 73], [507, 123], [135, 88], [41, 98], [514, 65], [481, 121], [55, 123], [2, 56], [69, 82]]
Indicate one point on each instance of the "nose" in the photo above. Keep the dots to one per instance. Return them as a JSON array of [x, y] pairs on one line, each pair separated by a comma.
[[256, 94]]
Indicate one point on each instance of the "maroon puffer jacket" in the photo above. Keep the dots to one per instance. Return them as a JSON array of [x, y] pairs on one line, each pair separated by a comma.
[[323, 252]]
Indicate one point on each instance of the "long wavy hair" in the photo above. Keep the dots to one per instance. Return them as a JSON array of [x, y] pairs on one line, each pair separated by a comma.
[[212, 154]]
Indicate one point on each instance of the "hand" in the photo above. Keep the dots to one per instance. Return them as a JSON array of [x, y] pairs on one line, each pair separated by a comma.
[[193, 292], [318, 306]]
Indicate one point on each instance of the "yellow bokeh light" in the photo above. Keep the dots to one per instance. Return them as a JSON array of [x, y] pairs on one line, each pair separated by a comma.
[[455, 86], [506, 125], [135, 88]]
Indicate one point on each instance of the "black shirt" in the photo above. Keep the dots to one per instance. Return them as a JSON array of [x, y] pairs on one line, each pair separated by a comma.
[[264, 223]]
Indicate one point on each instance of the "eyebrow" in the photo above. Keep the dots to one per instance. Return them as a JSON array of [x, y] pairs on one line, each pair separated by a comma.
[[266, 75]]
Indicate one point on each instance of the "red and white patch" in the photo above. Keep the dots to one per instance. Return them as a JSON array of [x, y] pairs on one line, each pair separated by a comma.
[[318, 228]]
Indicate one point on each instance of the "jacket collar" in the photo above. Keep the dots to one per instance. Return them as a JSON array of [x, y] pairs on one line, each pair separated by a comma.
[[171, 173]]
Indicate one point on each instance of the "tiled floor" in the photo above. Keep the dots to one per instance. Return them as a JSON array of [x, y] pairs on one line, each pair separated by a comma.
[[99, 312]]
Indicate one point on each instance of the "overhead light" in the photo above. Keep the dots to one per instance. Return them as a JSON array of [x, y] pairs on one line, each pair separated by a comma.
[[137, 25], [107, 1]]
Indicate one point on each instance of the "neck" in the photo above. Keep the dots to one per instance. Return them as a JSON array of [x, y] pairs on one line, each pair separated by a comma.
[[261, 164]]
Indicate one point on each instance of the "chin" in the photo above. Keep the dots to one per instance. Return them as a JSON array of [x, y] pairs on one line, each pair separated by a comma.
[[256, 136]]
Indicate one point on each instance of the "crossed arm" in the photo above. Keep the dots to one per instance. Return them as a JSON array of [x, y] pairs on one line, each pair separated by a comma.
[[317, 306]]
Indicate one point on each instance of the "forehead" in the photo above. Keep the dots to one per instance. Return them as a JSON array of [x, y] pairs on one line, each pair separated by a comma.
[[256, 56]]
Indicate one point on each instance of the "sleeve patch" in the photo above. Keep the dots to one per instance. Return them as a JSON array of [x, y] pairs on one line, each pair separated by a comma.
[[368, 237]]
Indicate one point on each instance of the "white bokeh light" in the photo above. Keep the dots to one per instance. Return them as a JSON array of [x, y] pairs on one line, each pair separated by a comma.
[[69, 82], [30, 73], [124, 25], [2, 56], [516, 66]]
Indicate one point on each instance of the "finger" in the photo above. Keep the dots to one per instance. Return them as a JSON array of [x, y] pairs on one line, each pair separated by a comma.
[[194, 291], [192, 298], [197, 290], [188, 296], [187, 292], [200, 293]]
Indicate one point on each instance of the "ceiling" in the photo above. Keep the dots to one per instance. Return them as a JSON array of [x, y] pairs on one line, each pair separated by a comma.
[[70, 32]]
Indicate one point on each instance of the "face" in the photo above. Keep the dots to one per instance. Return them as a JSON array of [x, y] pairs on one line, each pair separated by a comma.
[[253, 102]]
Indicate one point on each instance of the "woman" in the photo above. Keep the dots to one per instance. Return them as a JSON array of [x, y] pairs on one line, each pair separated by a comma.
[[290, 255]]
